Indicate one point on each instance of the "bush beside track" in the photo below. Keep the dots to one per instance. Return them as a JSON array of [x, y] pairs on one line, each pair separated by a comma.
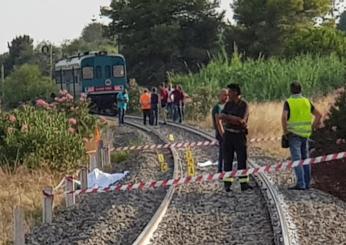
[[46, 135], [330, 177]]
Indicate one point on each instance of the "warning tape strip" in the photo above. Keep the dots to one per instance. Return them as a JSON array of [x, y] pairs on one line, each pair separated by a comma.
[[282, 166], [185, 144]]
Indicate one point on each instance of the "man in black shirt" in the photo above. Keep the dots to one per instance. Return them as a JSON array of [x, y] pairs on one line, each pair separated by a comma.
[[235, 116], [154, 99]]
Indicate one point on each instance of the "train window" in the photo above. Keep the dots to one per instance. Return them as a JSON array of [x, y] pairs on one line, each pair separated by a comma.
[[108, 72], [88, 72], [118, 71], [98, 74]]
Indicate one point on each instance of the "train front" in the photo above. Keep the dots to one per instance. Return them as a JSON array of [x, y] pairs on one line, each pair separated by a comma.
[[103, 77]]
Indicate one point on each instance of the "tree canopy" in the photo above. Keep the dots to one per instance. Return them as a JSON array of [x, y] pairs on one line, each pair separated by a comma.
[[264, 26], [161, 36], [91, 39]]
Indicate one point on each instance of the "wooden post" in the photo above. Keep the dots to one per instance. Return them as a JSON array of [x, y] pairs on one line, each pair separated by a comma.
[[92, 162], [84, 178], [47, 210], [102, 157], [99, 154], [18, 226], [69, 186], [108, 155]]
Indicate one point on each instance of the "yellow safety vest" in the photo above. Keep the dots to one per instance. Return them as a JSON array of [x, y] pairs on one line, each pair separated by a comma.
[[300, 121]]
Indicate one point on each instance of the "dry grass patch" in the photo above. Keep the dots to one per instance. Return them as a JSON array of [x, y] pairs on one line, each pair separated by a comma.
[[23, 188]]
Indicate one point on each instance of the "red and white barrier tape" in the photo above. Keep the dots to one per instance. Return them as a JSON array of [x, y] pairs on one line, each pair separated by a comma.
[[213, 177], [265, 139], [165, 146], [185, 144]]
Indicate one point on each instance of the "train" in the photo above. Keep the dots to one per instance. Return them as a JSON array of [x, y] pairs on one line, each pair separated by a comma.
[[99, 75]]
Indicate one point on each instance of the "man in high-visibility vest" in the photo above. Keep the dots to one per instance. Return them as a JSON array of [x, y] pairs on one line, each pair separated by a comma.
[[145, 101], [299, 119]]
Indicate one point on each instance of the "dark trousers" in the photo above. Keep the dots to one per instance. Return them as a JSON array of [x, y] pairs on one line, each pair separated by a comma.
[[155, 114], [220, 162], [177, 113], [234, 143], [121, 114], [146, 114]]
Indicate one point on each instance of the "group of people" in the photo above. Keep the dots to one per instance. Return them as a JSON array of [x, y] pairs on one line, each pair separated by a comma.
[[230, 118], [168, 99]]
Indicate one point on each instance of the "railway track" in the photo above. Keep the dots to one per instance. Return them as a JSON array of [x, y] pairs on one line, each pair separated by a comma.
[[189, 214], [117, 217], [205, 214]]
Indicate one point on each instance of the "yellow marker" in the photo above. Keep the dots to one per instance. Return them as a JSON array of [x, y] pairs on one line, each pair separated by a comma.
[[164, 167], [171, 137], [161, 157], [191, 170], [163, 164]]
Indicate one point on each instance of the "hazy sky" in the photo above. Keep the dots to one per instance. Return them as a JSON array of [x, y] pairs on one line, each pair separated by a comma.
[[53, 20]]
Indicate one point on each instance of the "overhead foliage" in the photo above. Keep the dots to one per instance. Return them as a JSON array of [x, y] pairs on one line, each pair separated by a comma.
[[161, 36], [263, 26]]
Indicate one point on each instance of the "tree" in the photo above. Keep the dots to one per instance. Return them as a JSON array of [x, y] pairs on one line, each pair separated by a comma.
[[263, 26], [161, 36], [20, 51], [342, 22], [317, 40], [27, 83], [93, 32], [92, 39]]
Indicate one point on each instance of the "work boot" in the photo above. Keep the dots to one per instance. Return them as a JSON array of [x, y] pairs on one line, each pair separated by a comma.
[[245, 186]]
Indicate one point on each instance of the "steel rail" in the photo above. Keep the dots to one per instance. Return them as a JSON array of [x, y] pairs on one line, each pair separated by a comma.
[[150, 228], [278, 218]]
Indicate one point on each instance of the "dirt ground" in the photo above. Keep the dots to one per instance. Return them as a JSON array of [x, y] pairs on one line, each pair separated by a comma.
[[329, 177]]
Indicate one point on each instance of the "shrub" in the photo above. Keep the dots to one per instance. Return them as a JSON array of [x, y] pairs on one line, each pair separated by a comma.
[[337, 116], [26, 83], [48, 135]]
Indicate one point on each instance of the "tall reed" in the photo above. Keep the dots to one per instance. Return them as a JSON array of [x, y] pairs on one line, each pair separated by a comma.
[[263, 79]]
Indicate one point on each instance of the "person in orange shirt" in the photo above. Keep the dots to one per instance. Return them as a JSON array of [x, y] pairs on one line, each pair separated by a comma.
[[145, 101]]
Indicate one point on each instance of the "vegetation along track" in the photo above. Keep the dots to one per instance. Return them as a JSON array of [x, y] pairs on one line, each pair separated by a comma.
[[203, 213], [115, 217]]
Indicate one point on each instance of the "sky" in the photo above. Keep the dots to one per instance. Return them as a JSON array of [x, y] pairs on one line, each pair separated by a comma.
[[52, 20]]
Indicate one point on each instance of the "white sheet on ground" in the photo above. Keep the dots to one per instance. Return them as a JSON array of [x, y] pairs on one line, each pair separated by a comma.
[[210, 163], [97, 178], [206, 164]]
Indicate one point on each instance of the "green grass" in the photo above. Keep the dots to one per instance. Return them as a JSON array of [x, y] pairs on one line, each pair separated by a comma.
[[267, 80], [118, 157]]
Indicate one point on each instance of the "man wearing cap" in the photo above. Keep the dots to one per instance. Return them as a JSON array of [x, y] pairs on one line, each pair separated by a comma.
[[299, 118], [235, 116]]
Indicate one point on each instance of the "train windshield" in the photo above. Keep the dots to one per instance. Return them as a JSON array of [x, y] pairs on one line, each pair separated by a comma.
[[88, 72], [118, 71]]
